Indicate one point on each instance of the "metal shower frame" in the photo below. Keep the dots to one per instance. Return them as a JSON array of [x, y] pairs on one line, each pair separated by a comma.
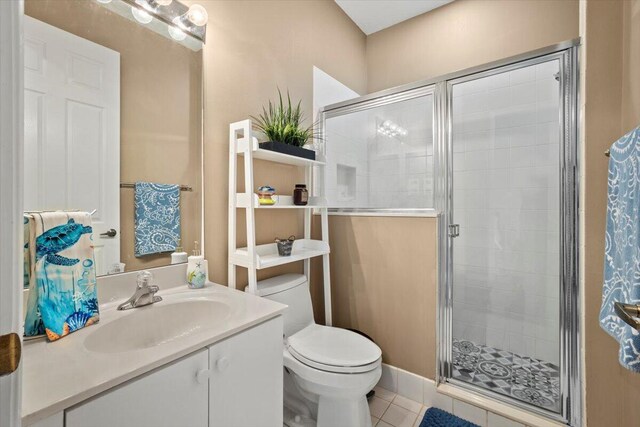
[[570, 311]]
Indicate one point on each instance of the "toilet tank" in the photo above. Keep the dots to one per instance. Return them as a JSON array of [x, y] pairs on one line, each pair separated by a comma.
[[292, 290]]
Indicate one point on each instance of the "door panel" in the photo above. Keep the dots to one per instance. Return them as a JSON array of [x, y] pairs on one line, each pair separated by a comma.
[[11, 137], [72, 142], [169, 397], [506, 260], [246, 378]]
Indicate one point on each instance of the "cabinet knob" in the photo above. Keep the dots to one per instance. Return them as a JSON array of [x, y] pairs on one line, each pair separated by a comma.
[[222, 364], [202, 376]]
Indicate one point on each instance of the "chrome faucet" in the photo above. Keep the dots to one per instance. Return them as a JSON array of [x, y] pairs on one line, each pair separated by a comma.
[[145, 293]]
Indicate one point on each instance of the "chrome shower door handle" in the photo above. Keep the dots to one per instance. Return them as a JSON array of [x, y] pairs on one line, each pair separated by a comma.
[[109, 233]]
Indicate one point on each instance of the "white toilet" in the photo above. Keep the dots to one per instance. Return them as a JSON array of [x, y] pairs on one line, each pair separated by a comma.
[[327, 371]]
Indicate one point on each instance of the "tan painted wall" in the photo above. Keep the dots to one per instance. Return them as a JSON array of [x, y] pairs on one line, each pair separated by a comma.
[[611, 107], [252, 48], [463, 34], [383, 275], [160, 110]]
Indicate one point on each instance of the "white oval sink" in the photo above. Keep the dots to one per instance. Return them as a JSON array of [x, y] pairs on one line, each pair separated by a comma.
[[156, 324]]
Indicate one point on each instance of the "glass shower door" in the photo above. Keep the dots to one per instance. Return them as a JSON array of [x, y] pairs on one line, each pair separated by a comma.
[[506, 281]]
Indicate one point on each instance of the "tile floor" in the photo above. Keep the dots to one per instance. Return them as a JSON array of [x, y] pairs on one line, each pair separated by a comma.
[[524, 378], [389, 409]]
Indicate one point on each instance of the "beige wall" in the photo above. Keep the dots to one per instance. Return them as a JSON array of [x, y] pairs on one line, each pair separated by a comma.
[[611, 97], [252, 48], [160, 111], [464, 34], [383, 276]]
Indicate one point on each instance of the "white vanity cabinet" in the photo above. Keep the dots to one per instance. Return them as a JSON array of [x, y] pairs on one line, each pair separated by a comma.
[[236, 382], [245, 388], [168, 397]]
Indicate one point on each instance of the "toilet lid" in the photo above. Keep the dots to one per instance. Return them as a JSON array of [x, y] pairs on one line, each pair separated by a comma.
[[333, 347]]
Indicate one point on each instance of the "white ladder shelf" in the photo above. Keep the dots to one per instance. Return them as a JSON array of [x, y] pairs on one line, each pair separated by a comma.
[[255, 257]]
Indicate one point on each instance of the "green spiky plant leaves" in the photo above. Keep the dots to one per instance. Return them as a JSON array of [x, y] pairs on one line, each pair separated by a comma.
[[283, 122]]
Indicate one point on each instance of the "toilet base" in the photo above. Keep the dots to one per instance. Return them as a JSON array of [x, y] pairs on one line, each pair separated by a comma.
[[332, 413], [309, 404], [338, 412], [291, 419]]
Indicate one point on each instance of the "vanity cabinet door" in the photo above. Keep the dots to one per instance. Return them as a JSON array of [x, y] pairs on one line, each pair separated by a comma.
[[245, 387], [172, 396]]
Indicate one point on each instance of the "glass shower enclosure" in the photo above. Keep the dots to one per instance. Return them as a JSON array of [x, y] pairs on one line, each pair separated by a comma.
[[505, 208], [500, 141]]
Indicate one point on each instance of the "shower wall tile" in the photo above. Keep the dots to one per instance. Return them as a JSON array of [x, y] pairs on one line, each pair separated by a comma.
[[506, 200]]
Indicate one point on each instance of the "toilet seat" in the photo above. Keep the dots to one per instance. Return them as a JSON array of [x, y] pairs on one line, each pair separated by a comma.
[[334, 350]]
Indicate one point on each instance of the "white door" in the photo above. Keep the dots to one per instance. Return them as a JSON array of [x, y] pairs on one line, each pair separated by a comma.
[[72, 131], [11, 111]]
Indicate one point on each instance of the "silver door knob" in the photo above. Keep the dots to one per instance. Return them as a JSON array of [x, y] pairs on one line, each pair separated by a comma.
[[109, 233]]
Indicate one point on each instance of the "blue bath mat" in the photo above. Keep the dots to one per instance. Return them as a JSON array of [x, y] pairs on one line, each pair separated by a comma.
[[435, 417]]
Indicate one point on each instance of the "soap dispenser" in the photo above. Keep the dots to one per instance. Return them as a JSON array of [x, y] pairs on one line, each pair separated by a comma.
[[179, 255], [196, 269]]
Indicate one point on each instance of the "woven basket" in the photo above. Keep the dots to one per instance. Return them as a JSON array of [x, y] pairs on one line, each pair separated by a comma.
[[285, 246]]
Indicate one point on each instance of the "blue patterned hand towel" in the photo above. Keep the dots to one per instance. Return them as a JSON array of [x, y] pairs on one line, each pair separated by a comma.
[[62, 282], [157, 218], [622, 245]]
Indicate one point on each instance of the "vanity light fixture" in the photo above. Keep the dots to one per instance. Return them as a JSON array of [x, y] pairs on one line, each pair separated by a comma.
[[176, 33], [182, 20], [141, 16], [196, 16], [153, 5]]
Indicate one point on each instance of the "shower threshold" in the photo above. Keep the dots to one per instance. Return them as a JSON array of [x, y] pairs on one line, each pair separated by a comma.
[[520, 377]]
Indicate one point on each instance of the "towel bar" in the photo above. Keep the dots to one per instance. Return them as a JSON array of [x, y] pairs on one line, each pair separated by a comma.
[[30, 213], [132, 185], [628, 312]]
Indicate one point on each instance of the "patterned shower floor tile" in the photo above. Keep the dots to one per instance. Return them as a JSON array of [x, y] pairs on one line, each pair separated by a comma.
[[524, 378]]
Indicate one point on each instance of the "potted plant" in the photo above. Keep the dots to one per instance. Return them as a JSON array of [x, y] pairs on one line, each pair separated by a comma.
[[281, 123]]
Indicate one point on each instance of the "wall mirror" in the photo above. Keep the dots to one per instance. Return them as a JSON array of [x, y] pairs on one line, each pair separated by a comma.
[[113, 99]]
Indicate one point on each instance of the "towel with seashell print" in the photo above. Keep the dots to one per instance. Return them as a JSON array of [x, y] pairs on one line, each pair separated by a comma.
[[62, 277]]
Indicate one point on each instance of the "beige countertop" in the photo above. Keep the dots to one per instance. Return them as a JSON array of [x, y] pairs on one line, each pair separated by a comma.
[[57, 375]]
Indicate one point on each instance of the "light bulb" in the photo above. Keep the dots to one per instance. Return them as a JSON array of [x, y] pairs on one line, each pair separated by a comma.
[[104, 1], [197, 15], [141, 16], [176, 33]]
